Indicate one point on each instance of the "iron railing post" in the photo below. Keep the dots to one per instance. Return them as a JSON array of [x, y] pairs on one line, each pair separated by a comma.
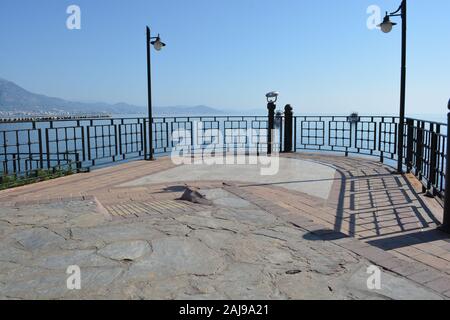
[[381, 140], [279, 119], [419, 151], [145, 139], [14, 157], [83, 142], [409, 145], [41, 155], [288, 125], [47, 146], [446, 223], [294, 148], [433, 159], [78, 162], [270, 126]]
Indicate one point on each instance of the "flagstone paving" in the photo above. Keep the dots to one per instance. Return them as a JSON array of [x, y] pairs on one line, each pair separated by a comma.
[[231, 250], [133, 239]]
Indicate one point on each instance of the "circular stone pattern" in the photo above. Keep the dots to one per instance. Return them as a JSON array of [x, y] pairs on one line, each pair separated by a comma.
[[308, 177]]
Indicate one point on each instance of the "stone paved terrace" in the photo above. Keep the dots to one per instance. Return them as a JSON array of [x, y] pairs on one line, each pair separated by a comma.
[[310, 232]]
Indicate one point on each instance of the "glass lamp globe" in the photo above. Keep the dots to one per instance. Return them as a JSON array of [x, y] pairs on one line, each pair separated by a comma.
[[158, 45], [387, 25]]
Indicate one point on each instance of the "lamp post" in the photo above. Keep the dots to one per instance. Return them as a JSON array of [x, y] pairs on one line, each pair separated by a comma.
[[158, 45], [386, 26], [446, 223], [272, 98]]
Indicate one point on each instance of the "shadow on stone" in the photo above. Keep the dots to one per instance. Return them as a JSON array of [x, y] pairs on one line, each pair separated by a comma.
[[324, 235], [174, 189]]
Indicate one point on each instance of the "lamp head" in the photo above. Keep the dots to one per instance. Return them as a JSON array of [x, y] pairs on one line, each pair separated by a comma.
[[272, 96], [387, 25], [158, 44]]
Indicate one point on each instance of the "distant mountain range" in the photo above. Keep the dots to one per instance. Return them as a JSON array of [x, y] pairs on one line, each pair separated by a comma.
[[16, 101]]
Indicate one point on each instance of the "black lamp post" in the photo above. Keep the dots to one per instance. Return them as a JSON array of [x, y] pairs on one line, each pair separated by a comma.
[[272, 98], [446, 223], [386, 27], [158, 45]]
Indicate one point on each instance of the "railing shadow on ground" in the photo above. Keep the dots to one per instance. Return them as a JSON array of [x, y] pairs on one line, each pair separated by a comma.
[[420, 227], [399, 215], [406, 240], [371, 199]]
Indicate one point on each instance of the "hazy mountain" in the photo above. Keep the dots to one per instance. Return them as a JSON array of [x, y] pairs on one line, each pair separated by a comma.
[[14, 100]]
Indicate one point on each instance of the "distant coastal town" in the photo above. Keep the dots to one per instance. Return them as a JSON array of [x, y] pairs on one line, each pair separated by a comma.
[[18, 116]]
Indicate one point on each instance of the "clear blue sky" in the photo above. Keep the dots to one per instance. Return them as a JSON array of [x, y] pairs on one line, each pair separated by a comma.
[[228, 53]]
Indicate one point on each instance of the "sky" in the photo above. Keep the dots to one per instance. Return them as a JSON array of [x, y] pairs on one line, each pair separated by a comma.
[[319, 54]]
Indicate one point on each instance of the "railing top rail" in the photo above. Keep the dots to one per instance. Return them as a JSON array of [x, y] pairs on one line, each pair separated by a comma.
[[210, 116], [427, 121], [64, 120], [69, 119], [345, 116], [36, 153]]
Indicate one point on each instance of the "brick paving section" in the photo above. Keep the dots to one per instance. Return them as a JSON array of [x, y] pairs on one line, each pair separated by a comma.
[[100, 183], [387, 218]]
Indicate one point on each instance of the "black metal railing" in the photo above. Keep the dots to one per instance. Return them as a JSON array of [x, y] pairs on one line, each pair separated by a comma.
[[91, 142], [426, 154], [424, 143], [20, 169], [97, 142], [44, 144], [374, 136], [222, 133], [26, 164]]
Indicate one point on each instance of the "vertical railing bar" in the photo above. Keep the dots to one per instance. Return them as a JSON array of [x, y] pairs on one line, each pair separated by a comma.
[[120, 139], [420, 151], [47, 143], [66, 139], [167, 136], [295, 134], [83, 145], [432, 165], [14, 158], [5, 148], [30, 156], [88, 131], [374, 136], [17, 150], [144, 141], [410, 146], [41, 158]]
